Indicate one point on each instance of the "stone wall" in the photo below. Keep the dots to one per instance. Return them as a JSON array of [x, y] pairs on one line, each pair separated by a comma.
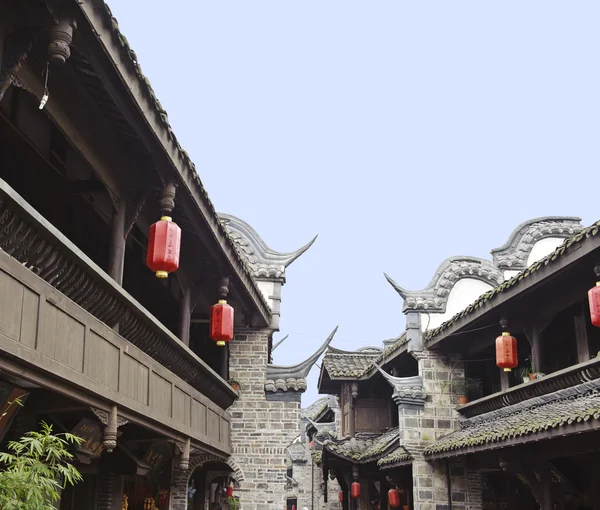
[[418, 429], [261, 430]]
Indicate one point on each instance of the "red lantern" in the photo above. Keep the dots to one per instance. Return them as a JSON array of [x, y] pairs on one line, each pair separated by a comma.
[[355, 490], [341, 496], [594, 299], [506, 352], [164, 244], [230, 491], [394, 498], [221, 322], [293, 507]]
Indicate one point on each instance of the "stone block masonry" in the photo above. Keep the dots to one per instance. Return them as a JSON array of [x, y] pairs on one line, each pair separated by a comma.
[[418, 429], [261, 430]]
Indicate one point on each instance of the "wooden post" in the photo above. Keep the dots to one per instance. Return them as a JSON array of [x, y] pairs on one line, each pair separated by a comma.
[[185, 314], [581, 338], [504, 380], [546, 502], [225, 362], [352, 417], [536, 350], [116, 256]]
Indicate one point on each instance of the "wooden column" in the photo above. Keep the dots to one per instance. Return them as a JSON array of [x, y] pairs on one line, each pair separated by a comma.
[[545, 502], [185, 314], [224, 362], [116, 255], [536, 349], [504, 380], [352, 417], [581, 338]]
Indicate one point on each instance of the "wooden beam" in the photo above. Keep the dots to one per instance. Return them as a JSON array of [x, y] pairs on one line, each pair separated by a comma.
[[581, 337]]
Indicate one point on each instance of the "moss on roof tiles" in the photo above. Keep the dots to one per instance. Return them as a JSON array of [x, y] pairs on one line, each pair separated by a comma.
[[315, 409], [356, 363], [364, 447], [586, 233], [564, 407], [398, 456]]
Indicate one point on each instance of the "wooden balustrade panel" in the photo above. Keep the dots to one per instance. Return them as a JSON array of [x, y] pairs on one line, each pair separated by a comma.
[[45, 330]]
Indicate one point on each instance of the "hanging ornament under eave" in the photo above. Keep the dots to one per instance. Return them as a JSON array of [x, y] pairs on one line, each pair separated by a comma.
[[394, 498], [341, 496], [506, 349], [221, 317], [230, 491], [594, 300], [355, 490], [164, 244]]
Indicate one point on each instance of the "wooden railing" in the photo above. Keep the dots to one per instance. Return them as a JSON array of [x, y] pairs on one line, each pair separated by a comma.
[[566, 378], [29, 238]]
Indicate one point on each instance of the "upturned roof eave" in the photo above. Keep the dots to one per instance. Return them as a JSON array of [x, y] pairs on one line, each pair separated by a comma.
[[137, 87]]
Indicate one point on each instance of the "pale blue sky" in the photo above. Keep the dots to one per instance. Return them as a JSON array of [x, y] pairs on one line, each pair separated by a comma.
[[401, 132]]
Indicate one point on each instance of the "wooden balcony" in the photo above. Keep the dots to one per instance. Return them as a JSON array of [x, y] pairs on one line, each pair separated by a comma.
[[57, 311], [560, 380]]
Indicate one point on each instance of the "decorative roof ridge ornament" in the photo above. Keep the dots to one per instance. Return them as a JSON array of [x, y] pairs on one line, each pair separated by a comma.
[[434, 297], [279, 342], [514, 253], [301, 370], [264, 262], [363, 351], [408, 391]]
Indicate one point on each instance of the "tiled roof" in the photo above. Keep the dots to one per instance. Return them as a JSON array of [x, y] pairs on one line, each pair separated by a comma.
[[398, 457], [130, 54], [340, 363], [364, 447], [347, 364], [563, 407], [315, 409], [297, 452], [586, 233]]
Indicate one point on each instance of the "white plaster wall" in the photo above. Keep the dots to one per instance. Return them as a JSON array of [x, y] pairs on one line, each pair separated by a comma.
[[542, 248], [267, 289], [509, 274], [462, 295]]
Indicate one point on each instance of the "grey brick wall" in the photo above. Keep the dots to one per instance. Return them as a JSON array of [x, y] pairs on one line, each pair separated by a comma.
[[261, 430]]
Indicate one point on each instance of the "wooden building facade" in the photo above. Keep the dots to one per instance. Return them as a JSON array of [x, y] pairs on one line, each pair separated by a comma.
[[466, 434], [90, 339]]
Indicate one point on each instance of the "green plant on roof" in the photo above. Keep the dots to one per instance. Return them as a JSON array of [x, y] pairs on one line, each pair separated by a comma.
[[233, 503]]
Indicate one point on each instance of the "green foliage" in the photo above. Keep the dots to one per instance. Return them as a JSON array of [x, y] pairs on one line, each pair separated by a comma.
[[36, 470], [233, 503]]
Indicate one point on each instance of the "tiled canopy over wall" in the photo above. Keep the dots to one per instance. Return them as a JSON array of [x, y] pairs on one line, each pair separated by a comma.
[[459, 281]]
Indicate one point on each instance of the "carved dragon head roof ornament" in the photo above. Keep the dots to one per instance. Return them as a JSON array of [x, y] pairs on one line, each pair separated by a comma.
[[264, 262], [514, 253], [293, 377], [434, 297]]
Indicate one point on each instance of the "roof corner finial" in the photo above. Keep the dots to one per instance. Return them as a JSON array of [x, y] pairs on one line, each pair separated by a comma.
[[400, 290]]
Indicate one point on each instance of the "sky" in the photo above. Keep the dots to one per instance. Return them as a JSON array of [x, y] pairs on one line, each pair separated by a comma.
[[400, 132]]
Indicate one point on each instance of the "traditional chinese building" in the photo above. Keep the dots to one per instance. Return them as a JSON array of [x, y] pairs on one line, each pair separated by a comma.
[[90, 339], [432, 416]]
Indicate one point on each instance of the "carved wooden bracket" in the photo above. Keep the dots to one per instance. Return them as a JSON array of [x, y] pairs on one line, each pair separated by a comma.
[[17, 48], [134, 208], [112, 422]]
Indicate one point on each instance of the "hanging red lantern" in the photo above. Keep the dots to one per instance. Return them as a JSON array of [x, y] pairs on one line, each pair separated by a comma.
[[341, 496], [164, 244], [221, 322], [594, 299], [229, 491], [394, 498], [355, 490], [506, 352], [293, 507]]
